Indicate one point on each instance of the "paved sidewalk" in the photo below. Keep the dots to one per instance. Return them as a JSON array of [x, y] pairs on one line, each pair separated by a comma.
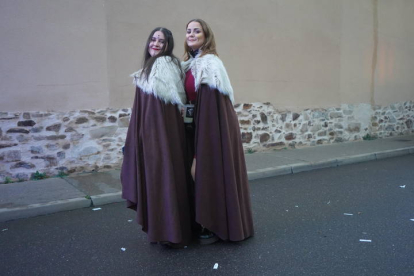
[[33, 198]]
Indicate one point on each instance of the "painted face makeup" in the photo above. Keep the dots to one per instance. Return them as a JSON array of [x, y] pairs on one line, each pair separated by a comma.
[[195, 35], [156, 44]]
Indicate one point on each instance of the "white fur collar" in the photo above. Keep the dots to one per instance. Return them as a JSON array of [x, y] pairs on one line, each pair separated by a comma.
[[209, 69], [164, 81]]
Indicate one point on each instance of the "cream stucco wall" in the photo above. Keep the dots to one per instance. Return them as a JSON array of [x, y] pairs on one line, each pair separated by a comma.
[[66, 55], [394, 75], [53, 55]]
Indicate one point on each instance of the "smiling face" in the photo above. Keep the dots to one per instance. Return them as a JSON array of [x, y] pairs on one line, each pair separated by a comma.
[[156, 44], [195, 35]]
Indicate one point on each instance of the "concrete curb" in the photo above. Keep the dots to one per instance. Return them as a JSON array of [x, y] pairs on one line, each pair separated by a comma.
[[393, 153], [356, 159], [269, 172], [303, 166], [103, 199], [34, 210]]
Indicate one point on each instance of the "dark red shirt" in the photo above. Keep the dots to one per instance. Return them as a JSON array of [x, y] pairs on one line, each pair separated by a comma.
[[189, 86]]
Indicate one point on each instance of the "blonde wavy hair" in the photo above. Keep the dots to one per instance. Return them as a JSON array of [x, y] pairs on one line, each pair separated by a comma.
[[209, 45]]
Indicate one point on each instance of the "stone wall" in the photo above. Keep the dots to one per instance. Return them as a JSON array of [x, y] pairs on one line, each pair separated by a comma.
[[91, 140], [53, 142], [263, 126]]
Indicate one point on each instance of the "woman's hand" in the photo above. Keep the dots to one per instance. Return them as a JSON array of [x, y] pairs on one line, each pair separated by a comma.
[[193, 168]]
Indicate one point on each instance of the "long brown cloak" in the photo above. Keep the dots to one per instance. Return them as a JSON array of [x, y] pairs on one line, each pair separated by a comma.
[[153, 175], [222, 197]]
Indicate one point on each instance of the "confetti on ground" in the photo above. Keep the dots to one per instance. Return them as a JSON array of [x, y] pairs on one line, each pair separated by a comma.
[[296, 206], [287, 210], [348, 214], [5, 229], [362, 240], [130, 220], [329, 202], [215, 266], [410, 219], [96, 209], [403, 186], [123, 248]]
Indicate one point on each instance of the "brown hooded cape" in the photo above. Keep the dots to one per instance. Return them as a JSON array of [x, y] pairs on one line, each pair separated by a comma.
[[222, 200], [154, 175]]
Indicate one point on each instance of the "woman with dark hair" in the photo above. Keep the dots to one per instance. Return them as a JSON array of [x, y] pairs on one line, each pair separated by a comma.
[[222, 200], [154, 176]]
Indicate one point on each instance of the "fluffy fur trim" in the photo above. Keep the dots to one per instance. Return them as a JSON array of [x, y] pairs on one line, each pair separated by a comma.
[[209, 69], [164, 82]]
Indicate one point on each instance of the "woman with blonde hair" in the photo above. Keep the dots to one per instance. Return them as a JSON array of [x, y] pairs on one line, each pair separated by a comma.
[[221, 196], [154, 173]]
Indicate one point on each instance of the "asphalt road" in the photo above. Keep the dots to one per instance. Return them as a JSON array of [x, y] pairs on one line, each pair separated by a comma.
[[301, 229]]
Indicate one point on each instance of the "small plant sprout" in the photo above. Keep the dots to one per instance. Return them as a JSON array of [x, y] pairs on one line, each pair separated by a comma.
[[62, 174], [250, 151], [368, 137], [38, 176]]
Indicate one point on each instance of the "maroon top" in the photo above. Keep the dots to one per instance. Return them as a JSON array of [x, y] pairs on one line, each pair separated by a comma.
[[190, 87]]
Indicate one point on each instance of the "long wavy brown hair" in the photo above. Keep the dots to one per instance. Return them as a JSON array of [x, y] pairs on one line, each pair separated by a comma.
[[209, 45], [167, 50]]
